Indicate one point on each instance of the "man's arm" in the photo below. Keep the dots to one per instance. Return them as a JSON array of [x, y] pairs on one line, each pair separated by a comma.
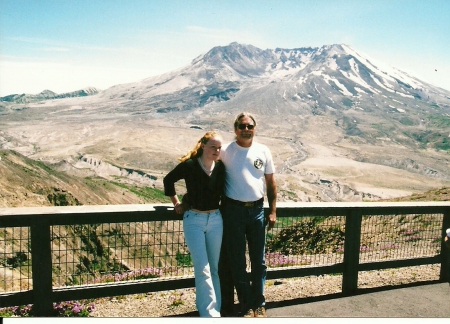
[[272, 198]]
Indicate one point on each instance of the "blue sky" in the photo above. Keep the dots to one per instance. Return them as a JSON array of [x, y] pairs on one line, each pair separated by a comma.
[[64, 45]]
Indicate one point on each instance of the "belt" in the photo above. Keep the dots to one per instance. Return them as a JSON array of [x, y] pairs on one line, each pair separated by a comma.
[[203, 211], [247, 204]]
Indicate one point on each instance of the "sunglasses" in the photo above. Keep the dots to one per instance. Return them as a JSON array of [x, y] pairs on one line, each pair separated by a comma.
[[244, 126]]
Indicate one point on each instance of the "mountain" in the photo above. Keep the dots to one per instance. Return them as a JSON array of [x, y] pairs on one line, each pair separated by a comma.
[[365, 98], [341, 126], [309, 74], [47, 94]]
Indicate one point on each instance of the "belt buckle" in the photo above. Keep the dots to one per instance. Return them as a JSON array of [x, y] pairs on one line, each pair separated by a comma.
[[249, 204]]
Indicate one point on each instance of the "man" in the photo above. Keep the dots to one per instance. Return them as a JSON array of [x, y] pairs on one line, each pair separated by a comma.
[[249, 171]]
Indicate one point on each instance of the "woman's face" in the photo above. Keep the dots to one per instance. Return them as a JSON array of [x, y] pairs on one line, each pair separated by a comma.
[[211, 150]]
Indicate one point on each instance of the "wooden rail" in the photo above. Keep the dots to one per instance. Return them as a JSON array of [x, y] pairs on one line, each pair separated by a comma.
[[40, 220]]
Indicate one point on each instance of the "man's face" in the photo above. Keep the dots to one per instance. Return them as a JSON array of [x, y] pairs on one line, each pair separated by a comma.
[[245, 130]]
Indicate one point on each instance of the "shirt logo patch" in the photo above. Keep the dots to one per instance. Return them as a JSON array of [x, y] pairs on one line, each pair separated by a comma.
[[258, 163]]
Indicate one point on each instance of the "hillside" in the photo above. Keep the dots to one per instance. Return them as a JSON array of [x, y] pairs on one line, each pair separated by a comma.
[[341, 126], [442, 194], [28, 183]]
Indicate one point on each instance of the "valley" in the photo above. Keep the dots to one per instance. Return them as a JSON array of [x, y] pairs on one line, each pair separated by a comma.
[[311, 166], [340, 128]]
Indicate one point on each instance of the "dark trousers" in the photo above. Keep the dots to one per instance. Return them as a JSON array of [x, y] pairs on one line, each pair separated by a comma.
[[227, 286], [243, 226]]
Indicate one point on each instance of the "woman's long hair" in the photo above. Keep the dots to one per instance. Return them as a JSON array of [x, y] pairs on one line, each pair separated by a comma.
[[197, 151]]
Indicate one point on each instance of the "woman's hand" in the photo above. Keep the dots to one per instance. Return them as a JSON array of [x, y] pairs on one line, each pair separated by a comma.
[[180, 208]]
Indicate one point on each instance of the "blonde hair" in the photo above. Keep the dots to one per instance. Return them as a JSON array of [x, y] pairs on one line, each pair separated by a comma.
[[197, 151]]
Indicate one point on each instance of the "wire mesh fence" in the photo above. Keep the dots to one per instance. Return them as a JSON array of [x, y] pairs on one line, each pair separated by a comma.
[[84, 254], [306, 241], [396, 237], [105, 253], [15, 259]]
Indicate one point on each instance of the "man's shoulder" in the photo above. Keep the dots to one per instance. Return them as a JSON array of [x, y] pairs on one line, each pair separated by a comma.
[[227, 145], [260, 146]]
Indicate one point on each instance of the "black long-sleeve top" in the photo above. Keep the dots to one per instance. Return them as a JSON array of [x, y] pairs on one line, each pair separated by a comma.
[[204, 191]]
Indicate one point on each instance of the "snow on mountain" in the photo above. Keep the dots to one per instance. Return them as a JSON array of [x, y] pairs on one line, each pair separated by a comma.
[[360, 93], [230, 68]]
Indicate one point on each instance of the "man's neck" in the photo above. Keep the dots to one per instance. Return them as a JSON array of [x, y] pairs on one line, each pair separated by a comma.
[[244, 143]]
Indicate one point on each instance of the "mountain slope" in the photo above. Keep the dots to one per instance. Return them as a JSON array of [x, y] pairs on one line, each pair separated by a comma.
[[364, 98], [28, 183], [336, 68], [47, 94], [341, 126]]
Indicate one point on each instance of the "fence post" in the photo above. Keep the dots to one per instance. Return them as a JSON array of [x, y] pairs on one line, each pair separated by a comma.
[[351, 251], [445, 251], [41, 267]]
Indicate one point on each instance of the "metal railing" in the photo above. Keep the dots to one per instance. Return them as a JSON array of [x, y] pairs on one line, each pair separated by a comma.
[[52, 254]]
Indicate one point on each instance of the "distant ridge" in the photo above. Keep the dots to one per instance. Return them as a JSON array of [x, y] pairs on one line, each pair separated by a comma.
[[47, 94]]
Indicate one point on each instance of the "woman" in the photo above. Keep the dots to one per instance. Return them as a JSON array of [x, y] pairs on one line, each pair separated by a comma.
[[204, 175]]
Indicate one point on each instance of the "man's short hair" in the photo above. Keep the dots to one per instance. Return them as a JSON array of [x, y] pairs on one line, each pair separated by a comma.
[[240, 116]]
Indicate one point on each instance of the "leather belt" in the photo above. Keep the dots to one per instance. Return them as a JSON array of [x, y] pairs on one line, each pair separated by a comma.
[[248, 204]]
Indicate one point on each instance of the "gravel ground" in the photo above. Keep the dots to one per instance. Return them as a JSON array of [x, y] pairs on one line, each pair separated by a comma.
[[179, 302]]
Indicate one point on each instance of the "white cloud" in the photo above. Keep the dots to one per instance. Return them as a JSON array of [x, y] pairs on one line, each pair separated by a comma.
[[33, 77], [55, 49]]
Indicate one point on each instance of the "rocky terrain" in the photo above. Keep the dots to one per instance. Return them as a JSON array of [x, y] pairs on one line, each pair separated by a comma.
[[309, 169], [341, 126], [28, 183]]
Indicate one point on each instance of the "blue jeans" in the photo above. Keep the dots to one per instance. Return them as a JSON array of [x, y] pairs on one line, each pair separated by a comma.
[[203, 235], [243, 225]]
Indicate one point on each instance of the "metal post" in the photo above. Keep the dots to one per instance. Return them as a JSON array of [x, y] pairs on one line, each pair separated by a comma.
[[445, 250], [41, 266], [351, 251]]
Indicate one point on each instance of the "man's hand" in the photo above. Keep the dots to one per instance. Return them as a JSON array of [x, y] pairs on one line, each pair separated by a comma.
[[272, 198], [270, 220]]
